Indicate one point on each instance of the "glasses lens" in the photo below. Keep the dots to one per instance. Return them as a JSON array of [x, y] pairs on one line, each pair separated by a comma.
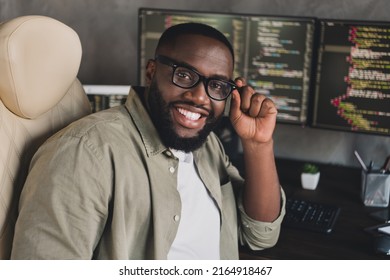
[[218, 89], [184, 77]]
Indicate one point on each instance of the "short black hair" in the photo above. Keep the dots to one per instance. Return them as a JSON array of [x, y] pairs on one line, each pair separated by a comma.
[[192, 28]]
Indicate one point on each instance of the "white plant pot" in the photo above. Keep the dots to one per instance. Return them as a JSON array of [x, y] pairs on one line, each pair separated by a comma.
[[310, 181]]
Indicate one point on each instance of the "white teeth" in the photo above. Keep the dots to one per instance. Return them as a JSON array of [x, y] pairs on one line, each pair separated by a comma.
[[189, 115]]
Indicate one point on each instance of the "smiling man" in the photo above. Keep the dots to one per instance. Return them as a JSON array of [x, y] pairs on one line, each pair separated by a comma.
[[149, 179]]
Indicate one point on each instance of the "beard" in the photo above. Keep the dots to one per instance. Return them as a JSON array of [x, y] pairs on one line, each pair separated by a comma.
[[162, 120]]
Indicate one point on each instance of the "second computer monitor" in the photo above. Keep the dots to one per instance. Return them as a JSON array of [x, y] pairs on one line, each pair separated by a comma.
[[352, 90]]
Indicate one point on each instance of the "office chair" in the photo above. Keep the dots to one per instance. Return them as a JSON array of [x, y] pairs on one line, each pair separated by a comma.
[[39, 94]]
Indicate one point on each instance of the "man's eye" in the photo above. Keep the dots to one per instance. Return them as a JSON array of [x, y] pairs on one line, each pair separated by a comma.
[[217, 85], [185, 74]]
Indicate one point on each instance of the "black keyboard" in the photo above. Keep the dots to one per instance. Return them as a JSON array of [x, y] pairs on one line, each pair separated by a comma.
[[308, 215]]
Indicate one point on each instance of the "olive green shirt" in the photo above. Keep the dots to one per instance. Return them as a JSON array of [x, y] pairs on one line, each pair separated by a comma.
[[106, 188]]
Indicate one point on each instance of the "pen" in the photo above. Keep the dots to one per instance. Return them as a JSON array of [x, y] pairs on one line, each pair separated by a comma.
[[386, 165], [360, 161]]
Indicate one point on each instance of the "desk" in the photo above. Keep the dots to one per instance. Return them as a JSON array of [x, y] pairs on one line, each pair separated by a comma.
[[340, 186]]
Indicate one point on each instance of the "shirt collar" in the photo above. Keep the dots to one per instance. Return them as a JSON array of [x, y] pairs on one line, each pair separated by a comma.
[[144, 124]]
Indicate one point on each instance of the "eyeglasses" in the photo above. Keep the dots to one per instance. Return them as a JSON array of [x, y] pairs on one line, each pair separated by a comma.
[[186, 78]]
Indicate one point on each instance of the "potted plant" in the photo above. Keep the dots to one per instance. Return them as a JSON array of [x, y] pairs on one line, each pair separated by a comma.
[[310, 176]]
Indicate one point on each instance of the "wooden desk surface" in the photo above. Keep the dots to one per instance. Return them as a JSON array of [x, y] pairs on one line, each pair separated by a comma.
[[340, 186]]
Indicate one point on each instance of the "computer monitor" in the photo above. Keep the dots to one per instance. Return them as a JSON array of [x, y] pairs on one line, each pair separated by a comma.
[[352, 91], [274, 53]]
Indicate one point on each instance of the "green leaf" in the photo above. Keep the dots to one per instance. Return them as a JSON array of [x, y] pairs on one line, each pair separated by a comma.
[[310, 168]]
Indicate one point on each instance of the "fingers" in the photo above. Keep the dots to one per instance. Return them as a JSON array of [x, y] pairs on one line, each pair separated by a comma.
[[260, 106], [268, 107], [252, 103], [240, 82], [246, 93]]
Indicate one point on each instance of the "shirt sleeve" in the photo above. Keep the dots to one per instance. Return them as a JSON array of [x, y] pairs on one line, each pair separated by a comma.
[[259, 235], [255, 234]]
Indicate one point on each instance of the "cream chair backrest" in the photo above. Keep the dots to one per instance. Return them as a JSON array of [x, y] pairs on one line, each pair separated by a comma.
[[39, 94]]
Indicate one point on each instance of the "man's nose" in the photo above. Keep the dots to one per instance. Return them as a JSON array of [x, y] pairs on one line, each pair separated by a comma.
[[198, 94]]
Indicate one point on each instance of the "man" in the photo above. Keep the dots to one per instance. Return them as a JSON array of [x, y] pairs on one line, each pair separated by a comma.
[[149, 180]]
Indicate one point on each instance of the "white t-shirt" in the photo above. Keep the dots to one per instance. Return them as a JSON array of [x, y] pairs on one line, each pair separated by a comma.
[[199, 228]]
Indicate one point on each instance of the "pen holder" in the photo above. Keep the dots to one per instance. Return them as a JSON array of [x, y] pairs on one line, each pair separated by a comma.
[[375, 188]]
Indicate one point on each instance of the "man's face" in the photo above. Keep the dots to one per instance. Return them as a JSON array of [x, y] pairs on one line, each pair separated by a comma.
[[185, 117]]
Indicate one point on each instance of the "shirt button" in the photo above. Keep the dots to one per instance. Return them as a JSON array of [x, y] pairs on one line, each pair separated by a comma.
[[176, 218], [171, 169]]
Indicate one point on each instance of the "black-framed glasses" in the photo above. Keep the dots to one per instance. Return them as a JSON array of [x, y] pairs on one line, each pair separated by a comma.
[[185, 77]]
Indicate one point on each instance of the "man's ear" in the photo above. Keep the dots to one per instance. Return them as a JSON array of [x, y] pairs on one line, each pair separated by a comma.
[[150, 70]]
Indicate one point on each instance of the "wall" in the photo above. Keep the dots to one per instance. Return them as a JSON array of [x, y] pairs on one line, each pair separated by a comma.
[[108, 33]]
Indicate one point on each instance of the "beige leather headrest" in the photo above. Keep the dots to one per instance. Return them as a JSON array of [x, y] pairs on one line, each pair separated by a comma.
[[39, 59]]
